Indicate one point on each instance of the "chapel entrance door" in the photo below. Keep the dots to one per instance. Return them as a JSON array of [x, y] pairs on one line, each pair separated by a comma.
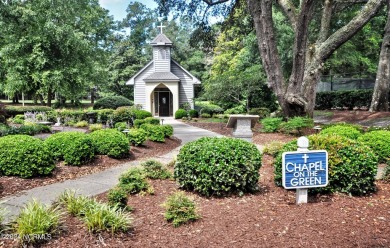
[[164, 100]]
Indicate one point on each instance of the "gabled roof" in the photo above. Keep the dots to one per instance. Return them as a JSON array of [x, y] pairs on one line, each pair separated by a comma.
[[162, 76], [195, 80], [131, 80], [161, 40]]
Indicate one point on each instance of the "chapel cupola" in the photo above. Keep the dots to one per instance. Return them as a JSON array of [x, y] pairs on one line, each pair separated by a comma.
[[161, 52]]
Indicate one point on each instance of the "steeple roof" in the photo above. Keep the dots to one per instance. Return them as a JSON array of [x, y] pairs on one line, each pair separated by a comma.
[[161, 40]]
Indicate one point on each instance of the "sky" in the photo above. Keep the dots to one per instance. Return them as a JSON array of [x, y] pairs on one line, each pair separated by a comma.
[[117, 8]]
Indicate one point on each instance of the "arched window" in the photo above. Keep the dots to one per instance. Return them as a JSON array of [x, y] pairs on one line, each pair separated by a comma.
[[161, 53]]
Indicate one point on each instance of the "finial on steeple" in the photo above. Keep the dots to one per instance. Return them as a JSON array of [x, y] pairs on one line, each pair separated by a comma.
[[161, 27]]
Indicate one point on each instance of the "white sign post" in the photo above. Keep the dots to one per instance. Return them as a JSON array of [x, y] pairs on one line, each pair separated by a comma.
[[304, 169]]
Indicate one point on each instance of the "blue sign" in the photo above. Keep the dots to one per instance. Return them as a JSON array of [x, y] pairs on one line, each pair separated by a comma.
[[308, 169]]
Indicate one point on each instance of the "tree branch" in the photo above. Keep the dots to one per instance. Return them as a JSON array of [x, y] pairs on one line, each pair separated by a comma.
[[325, 21], [290, 10], [345, 33], [212, 2]]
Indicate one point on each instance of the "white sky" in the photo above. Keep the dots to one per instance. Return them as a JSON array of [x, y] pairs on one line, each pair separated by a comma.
[[117, 8]]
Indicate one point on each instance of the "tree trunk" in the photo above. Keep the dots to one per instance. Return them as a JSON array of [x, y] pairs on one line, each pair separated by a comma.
[[380, 97], [49, 97]]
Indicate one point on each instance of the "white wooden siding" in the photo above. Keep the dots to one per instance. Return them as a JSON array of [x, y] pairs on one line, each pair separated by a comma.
[[186, 87], [161, 64], [139, 86]]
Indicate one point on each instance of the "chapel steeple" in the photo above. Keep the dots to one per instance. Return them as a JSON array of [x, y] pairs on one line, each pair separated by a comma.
[[161, 52]]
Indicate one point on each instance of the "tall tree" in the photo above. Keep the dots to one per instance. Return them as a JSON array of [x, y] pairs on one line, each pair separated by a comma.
[[53, 46], [296, 94], [380, 97]]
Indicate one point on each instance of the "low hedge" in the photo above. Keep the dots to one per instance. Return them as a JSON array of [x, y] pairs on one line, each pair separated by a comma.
[[25, 156], [343, 99], [20, 110], [154, 132], [137, 136], [352, 166], [110, 142], [342, 130], [218, 166], [75, 148], [379, 143], [112, 102]]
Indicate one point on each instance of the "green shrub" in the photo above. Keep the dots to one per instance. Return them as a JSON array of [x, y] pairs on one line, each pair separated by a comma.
[[155, 170], [123, 114], [273, 147], [193, 113], [112, 102], [218, 166], [208, 108], [180, 113], [344, 124], [117, 197], [296, 124], [168, 130], [343, 99], [37, 219], [141, 114], [133, 181], [262, 112], [120, 126], [75, 148], [378, 141], [95, 127], [154, 132], [271, 124], [136, 136], [110, 142], [236, 110], [352, 166], [81, 124], [26, 129], [342, 130], [103, 115], [24, 156], [152, 120], [20, 110], [137, 123], [205, 115], [180, 209]]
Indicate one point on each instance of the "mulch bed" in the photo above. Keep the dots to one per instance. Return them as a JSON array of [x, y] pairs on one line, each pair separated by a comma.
[[13, 185]]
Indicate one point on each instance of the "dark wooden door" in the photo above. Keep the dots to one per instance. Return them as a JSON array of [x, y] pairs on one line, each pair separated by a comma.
[[163, 101]]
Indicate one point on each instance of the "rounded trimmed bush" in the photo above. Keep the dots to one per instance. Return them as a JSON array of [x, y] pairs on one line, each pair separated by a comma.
[[141, 114], [180, 113], [218, 166], [120, 126], [168, 130], [152, 120], [110, 142], [112, 102], [154, 132], [123, 114], [137, 136], [137, 123], [352, 165], [193, 113], [75, 148], [379, 143], [24, 156], [346, 131]]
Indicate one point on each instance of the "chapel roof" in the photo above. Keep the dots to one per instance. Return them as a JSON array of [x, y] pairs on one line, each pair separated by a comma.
[[157, 76], [161, 40]]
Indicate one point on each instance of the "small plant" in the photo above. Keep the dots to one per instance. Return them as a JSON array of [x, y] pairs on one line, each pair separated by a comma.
[[120, 126], [193, 113], [141, 114], [152, 120], [273, 147], [271, 124], [133, 181], [342, 130], [117, 197], [180, 113], [179, 209], [137, 136], [137, 123], [296, 124], [37, 219], [81, 124], [75, 205], [95, 127], [168, 130], [155, 170], [111, 142], [205, 115]]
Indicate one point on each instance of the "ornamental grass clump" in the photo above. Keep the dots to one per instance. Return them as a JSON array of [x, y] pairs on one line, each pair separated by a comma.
[[218, 166], [25, 156], [180, 209], [352, 166]]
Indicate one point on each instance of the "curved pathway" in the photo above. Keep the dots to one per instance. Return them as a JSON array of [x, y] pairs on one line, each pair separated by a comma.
[[100, 182]]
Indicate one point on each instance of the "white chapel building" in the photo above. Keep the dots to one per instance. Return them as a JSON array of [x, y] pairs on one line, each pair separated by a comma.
[[163, 85]]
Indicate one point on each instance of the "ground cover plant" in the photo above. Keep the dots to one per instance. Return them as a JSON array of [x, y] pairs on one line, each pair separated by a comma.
[[232, 166]]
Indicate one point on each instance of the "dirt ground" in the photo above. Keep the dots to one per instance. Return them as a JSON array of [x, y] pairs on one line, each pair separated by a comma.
[[269, 218]]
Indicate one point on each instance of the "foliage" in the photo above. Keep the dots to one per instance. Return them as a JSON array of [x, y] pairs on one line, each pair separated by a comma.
[[271, 124], [343, 99], [240, 109], [75, 205], [27, 129], [117, 197], [231, 166], [75, 148], [133, 181], [179, 209], [296, 124], [141, 114], [95, 127], [180, 113], [104, 115], [261, 112], [24, 156], [168, 130], [110, 142], [137, 136], [120, 126], [273, 148], [154, 132], [155, 170], [193, 113], [137, 123], [344, 124], [37, 219], [112, 102], [352, 166], [123, 114], [20, 110], [208, 108], [343, 130], [81, 124], [378, 141], [152, 120]]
